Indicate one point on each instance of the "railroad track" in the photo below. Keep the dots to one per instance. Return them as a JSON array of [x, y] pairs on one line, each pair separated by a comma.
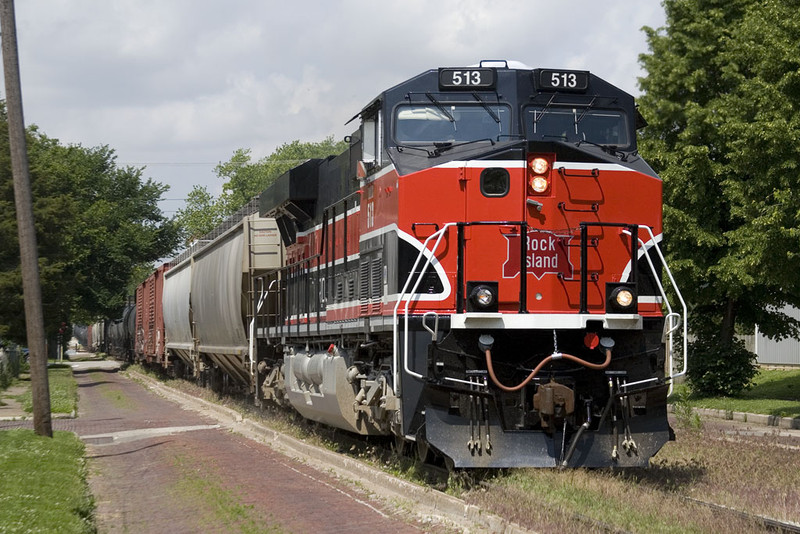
[[774, 525]]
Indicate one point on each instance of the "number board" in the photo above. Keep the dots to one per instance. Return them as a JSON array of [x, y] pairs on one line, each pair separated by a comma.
[[563, 80], [467, 78]]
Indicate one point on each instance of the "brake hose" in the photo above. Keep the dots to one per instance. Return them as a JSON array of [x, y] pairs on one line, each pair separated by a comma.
[[552, 357]]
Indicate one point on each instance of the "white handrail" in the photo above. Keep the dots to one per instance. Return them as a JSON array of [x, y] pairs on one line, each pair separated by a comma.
[[252, 329], [670, 316], [405, 294]]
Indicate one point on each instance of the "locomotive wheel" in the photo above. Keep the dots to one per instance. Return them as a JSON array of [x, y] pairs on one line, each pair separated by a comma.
[[450, 465], [400, 446], [424, 452]]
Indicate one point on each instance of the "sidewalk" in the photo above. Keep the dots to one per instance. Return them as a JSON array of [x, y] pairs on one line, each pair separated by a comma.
[[10, 407], [156, 467]]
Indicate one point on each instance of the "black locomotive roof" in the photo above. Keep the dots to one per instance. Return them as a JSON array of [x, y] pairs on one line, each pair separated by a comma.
[[513, 83]]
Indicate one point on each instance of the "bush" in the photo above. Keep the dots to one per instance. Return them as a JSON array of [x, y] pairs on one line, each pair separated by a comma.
[[717, 368]]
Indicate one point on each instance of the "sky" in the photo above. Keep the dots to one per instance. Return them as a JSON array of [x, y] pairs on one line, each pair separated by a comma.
[[176, 86]]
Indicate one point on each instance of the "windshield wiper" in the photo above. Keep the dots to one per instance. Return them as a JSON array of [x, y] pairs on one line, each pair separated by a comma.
[[585, 111], [444, 147], [441, 107], [536, 118], [608, 149], [402, 148], [489, 110]]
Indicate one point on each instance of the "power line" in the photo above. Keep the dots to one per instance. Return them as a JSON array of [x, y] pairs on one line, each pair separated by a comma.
[[201, 163]]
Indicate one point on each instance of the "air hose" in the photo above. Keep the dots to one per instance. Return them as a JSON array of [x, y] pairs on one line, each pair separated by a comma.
[[552, 357]]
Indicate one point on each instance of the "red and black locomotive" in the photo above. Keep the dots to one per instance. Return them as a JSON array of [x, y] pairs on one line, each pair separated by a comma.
[[478, 275]]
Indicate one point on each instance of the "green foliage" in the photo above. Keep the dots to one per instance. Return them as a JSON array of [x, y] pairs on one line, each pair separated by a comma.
[[6, 376], [201, 214], [721, 96], [96, 223], [720, 369], [244, 179], [43, 487]]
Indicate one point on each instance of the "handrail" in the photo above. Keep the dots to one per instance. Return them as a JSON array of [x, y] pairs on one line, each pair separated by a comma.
[[671, 318], [405, 294], [668, 331], [251, 345]]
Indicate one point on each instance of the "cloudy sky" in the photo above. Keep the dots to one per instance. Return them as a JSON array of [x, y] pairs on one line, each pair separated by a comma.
[[178, 85]]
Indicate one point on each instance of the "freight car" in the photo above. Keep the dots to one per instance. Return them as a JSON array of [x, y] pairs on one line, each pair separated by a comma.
[[148, 330], [479, 276], [207, 320], [119, 334]]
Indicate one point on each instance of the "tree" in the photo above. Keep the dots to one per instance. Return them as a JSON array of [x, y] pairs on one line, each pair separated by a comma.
[[244, 179], [95, 222], [201, 214], [721, 96]]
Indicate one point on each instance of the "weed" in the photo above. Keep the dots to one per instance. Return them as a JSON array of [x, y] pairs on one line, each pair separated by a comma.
[[685, 415], [221, 506]]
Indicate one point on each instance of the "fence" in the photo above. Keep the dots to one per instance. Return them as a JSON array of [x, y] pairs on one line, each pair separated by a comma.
[[784, 352]]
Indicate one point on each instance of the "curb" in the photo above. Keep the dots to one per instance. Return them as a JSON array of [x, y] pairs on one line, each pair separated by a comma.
[[427, 502], [789, 423], [29, 417]]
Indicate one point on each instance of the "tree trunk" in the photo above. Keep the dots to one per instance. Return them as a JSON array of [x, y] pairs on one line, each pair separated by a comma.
[[728, 329]]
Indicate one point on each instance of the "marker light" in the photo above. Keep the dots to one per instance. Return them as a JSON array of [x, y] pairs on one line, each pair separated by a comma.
[[483, 296], [624, 298]]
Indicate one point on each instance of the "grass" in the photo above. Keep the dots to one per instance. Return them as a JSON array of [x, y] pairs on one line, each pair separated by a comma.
[[756, 474], [111, 394], [63, 391], [774, 392], [220, 506], [43, 485]]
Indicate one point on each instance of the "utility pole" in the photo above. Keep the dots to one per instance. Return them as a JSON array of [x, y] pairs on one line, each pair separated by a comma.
[[29, 256]]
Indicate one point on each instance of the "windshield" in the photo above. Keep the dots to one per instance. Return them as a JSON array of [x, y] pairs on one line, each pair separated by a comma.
[[451, 123], [602, 127]]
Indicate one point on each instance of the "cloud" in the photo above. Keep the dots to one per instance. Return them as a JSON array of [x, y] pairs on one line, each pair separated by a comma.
[[188, 82]]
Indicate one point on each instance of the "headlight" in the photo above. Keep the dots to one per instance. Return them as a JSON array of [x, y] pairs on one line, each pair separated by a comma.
[[539, 165], [539, 184]]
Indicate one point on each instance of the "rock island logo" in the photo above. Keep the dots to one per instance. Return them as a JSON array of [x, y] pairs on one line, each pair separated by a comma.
[[548, 253]]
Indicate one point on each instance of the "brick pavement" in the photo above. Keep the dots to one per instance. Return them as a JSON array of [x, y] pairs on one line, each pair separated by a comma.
[[156, 467]]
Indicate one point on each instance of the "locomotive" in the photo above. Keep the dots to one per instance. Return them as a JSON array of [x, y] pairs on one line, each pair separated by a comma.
[[478, 276]]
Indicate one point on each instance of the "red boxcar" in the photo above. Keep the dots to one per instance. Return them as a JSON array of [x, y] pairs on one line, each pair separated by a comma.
[[150, 319]]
